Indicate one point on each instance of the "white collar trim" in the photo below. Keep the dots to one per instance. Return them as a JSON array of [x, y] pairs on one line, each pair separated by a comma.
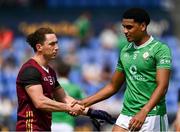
[[46, 69], [145, 44]]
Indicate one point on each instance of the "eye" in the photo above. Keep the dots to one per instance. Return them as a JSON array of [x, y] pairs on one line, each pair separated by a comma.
[[53, 43], [129, 27]]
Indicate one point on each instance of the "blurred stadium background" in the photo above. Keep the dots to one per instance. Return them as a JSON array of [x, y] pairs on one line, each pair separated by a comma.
[[89, 32]]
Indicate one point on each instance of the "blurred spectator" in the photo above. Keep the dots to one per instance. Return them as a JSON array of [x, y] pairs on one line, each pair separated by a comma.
[[69, 53], [6, 38], [5, 112], [62, 121], [91, 77], [9, 100], [106, 73], [83, 24], [108, 39], [10, 70]]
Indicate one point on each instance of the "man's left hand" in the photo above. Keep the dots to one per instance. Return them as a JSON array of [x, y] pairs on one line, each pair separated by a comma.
[[137, 121]]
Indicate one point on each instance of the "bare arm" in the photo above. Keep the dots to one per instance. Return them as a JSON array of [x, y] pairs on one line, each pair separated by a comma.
[[110, 89], [162, 79], [44, 103]]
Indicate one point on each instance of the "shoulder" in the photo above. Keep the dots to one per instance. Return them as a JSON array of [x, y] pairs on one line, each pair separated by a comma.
[[157, 45], [29, 71], [123, 44], [127, 47]]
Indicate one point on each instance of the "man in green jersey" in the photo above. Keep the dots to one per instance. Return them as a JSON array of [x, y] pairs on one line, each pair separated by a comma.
[[144, 64]]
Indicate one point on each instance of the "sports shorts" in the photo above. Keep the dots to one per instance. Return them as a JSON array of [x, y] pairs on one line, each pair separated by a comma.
[[151, 123]]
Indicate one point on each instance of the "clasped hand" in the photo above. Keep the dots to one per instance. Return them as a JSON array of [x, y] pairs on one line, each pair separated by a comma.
[[76, 108]]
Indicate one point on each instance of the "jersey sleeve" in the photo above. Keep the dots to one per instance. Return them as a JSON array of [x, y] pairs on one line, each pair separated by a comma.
[[30, 76], [119, 66], [57, 85], [163, 57]]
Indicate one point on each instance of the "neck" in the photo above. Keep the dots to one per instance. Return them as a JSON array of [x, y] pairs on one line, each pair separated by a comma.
[[40, 60], [143, 40]]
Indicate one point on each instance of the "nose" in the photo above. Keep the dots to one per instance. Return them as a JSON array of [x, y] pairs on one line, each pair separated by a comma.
[[125, 30], [56, 46]]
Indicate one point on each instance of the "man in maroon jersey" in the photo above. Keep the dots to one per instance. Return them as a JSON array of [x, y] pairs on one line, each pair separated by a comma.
[[38, 91], [37, 86]]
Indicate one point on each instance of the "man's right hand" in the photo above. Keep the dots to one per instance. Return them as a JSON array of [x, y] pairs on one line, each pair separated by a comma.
[[76, 102], [76, 109]]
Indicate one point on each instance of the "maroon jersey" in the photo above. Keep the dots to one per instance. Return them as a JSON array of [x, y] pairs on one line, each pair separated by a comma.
[[30, 118]]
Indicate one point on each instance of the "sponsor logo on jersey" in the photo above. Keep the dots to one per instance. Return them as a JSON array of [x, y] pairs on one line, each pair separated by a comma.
[[133, 69], [135, 75], [126, 55], [49, 79], [145, 55], [45, 79], [138, 77], [165, 61]]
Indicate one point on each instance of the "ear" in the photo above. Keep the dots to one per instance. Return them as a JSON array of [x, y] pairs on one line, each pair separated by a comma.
[[39, 47], [143, 26]]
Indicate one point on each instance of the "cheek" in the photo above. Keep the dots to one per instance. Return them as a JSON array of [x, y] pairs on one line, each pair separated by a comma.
[[135, 32], [47, 50]]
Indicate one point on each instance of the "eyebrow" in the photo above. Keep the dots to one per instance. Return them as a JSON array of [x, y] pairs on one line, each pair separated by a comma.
[[52, 42]]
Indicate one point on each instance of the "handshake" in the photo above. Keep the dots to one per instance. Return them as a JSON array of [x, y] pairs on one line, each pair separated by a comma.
[[78, 109]]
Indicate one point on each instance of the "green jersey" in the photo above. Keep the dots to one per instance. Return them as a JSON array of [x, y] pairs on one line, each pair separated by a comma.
[[73, 91], [139, 63]]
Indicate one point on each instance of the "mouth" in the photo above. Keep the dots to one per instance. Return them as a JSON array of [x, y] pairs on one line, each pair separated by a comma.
[[129, 38], [54, 54]]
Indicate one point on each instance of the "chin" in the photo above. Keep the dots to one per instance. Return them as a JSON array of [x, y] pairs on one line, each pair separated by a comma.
[[129, 40], [53, 57]]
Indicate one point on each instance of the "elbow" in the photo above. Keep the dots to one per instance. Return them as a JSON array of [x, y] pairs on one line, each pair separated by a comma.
[[38, 105], [163, 89], [114, 89]]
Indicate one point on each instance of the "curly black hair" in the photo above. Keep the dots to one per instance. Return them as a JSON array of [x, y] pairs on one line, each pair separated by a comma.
[[138, 14]]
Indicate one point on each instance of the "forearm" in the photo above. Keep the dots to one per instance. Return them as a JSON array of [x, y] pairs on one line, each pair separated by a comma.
[[155, 99], [47, 104], [116, 82], [68, 99], [61, 96], [103, 94], [162, 80]]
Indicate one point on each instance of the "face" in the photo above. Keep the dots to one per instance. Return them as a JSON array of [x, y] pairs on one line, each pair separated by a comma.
[[50, 46], [133, 30]]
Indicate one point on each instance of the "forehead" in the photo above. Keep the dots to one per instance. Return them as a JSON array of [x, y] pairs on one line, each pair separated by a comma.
[[128, 22], [51, 37]]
